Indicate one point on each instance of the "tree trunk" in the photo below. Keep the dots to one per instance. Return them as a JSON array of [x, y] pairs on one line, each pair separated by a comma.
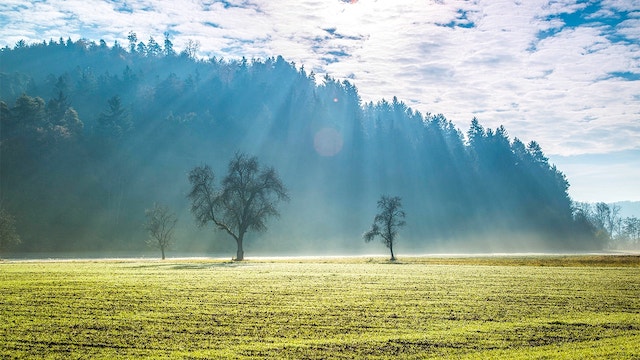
[[240, 252], [393, 258], [162, 250]]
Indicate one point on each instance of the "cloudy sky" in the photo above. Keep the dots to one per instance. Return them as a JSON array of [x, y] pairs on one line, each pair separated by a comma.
[[563, 73]]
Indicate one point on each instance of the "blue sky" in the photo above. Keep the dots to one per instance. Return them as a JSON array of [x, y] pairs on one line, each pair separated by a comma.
[[563, 73]]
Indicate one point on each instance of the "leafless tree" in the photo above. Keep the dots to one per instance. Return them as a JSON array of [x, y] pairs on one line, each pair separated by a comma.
[[632, 230], [607, 218], [247, 198], [160, 225], [387, 222]]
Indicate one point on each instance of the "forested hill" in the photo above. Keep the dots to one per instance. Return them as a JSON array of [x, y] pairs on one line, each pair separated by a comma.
[[92, 135]]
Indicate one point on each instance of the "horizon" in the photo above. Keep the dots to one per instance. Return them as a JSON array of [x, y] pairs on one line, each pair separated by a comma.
[[564, 74]]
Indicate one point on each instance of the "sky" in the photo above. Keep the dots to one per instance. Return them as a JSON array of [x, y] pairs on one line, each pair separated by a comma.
[[563, 73]]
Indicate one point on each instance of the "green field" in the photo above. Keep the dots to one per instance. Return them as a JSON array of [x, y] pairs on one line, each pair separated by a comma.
[[476, 307]]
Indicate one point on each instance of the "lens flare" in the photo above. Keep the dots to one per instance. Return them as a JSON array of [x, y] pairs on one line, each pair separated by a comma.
[[327, 142]]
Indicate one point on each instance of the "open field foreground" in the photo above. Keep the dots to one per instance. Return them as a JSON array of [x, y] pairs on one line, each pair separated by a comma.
[[537, 307]]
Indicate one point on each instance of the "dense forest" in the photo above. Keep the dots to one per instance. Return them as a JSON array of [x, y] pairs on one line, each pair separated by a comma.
[[92, 135]]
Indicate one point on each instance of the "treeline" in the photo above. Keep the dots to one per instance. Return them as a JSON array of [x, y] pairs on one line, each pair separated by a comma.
[[608, 225], [93, 134]]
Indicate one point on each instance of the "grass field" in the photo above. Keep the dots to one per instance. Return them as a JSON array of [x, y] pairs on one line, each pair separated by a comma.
[[477, 307]]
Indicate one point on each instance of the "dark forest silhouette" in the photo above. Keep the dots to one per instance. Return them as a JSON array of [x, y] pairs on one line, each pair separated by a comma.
[[92, 134]]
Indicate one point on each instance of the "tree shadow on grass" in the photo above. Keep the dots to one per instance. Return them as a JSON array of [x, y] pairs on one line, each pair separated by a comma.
[[188, 266], [204, 266], [385, 261]]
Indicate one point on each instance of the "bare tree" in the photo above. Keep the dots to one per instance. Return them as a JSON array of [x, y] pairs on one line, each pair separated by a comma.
[[387, 222], [247, 198], [8, 234], [631, 230], [160, 225], [191, 49], [614, 222], [606, 218]]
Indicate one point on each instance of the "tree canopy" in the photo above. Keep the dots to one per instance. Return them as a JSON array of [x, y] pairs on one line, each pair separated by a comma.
[[247, 198], [161, 225], [387, 222]]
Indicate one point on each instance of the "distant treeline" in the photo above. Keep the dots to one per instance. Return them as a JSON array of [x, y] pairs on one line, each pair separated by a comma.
[[92, 134]]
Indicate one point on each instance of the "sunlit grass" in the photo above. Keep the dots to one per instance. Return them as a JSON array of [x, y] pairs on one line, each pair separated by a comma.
[[476, 307]]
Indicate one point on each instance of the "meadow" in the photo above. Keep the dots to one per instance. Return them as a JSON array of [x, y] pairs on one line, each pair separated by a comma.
[[475, 307]]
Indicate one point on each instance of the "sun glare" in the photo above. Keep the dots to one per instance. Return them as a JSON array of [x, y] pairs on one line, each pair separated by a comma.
[[328, 142]]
